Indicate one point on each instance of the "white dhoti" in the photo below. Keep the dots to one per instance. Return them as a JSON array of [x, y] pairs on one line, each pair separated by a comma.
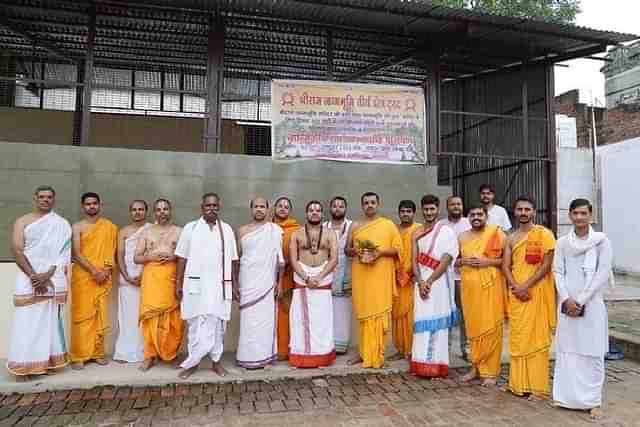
[[37, 340], [578, 381], [311, 322], [434, 316], [205, 337], [342, 315], [261, 255], [341, 290], [130, 342]]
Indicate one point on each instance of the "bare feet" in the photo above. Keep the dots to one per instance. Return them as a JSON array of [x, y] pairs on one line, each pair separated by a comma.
[[218, 369], [147, 364], [102, 361], [77, 366], [489, 382], [469, 376], [23, 378], [396, 356], [596, 413], [186, 373], [120, 361], [282, 358], [536, 398], [354, 360]]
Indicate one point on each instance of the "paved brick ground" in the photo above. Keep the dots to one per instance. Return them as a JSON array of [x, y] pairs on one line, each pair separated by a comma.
[[355, 400]]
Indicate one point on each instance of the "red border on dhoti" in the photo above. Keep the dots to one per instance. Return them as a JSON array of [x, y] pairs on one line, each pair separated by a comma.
[[429, 370], [311, 360]]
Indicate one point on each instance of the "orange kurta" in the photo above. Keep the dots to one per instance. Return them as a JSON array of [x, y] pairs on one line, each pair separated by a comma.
[[89, 310], [289, 226], [531, 323], [162, 326], [483, 300], [402, 312], [373, 289]]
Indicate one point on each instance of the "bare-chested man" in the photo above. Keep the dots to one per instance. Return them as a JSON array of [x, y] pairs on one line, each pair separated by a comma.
[[130, 344], [42, 247], [94, 255], [162, 326], [313, 253], [260, 283]]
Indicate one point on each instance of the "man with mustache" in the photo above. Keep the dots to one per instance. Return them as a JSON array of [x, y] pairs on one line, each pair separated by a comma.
[[583, 268], [207, 275], [42, 246], [531, 304], [483, 294], [313, 256], [281, 216], [496, 214], [435, 246], [341, 288], [260, 281], [402, 311], [162, 327], [94, 256], [459, 224], [130, 343], [374, 243]]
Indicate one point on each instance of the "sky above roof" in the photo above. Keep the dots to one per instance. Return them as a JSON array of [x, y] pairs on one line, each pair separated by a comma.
[[584, 74]]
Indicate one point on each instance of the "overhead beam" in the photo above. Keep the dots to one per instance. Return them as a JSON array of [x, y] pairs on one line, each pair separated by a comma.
[[8, 25]]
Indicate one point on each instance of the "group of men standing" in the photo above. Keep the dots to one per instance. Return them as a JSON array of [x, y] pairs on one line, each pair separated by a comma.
[[298, 286]]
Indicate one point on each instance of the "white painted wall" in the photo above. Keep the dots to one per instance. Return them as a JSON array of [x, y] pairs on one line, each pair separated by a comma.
[[575, 180], [619, 165]]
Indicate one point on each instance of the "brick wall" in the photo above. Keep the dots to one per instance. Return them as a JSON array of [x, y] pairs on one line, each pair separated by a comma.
[[615, 125]]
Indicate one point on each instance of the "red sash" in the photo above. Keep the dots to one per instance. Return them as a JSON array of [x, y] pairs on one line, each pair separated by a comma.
[[425, 258]]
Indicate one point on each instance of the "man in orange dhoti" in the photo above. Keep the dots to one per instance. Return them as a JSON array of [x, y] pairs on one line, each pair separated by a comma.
[[282, 210], [94, 254], [375, 245], [483, 294], [402, 311], [162, 326], [531, 302]]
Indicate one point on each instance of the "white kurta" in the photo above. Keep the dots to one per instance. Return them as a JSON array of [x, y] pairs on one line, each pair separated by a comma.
[[33, 350], [341, 290], [311, 322], [438, 313], [207, 293], [581, 342], [499, 216], [130, 343], [261, 256]]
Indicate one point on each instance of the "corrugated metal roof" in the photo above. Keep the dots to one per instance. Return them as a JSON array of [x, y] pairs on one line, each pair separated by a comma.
[[289, 38]]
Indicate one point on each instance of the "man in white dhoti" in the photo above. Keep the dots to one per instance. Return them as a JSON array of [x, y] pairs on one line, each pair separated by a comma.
[[435, 311], [341, 286], [582, 267], [130, 342], [42, 246], [313, 253], [207, 280], [260, 281]]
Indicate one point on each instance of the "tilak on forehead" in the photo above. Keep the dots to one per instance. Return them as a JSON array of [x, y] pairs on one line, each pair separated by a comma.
[[284, 198]]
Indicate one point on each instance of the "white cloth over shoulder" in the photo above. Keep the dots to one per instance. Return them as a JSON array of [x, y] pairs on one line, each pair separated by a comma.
[[47, 242], [209, 252], [261, 257], [438, 313], [499, 216], [576, 278], [458, 228], [130, 343]]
